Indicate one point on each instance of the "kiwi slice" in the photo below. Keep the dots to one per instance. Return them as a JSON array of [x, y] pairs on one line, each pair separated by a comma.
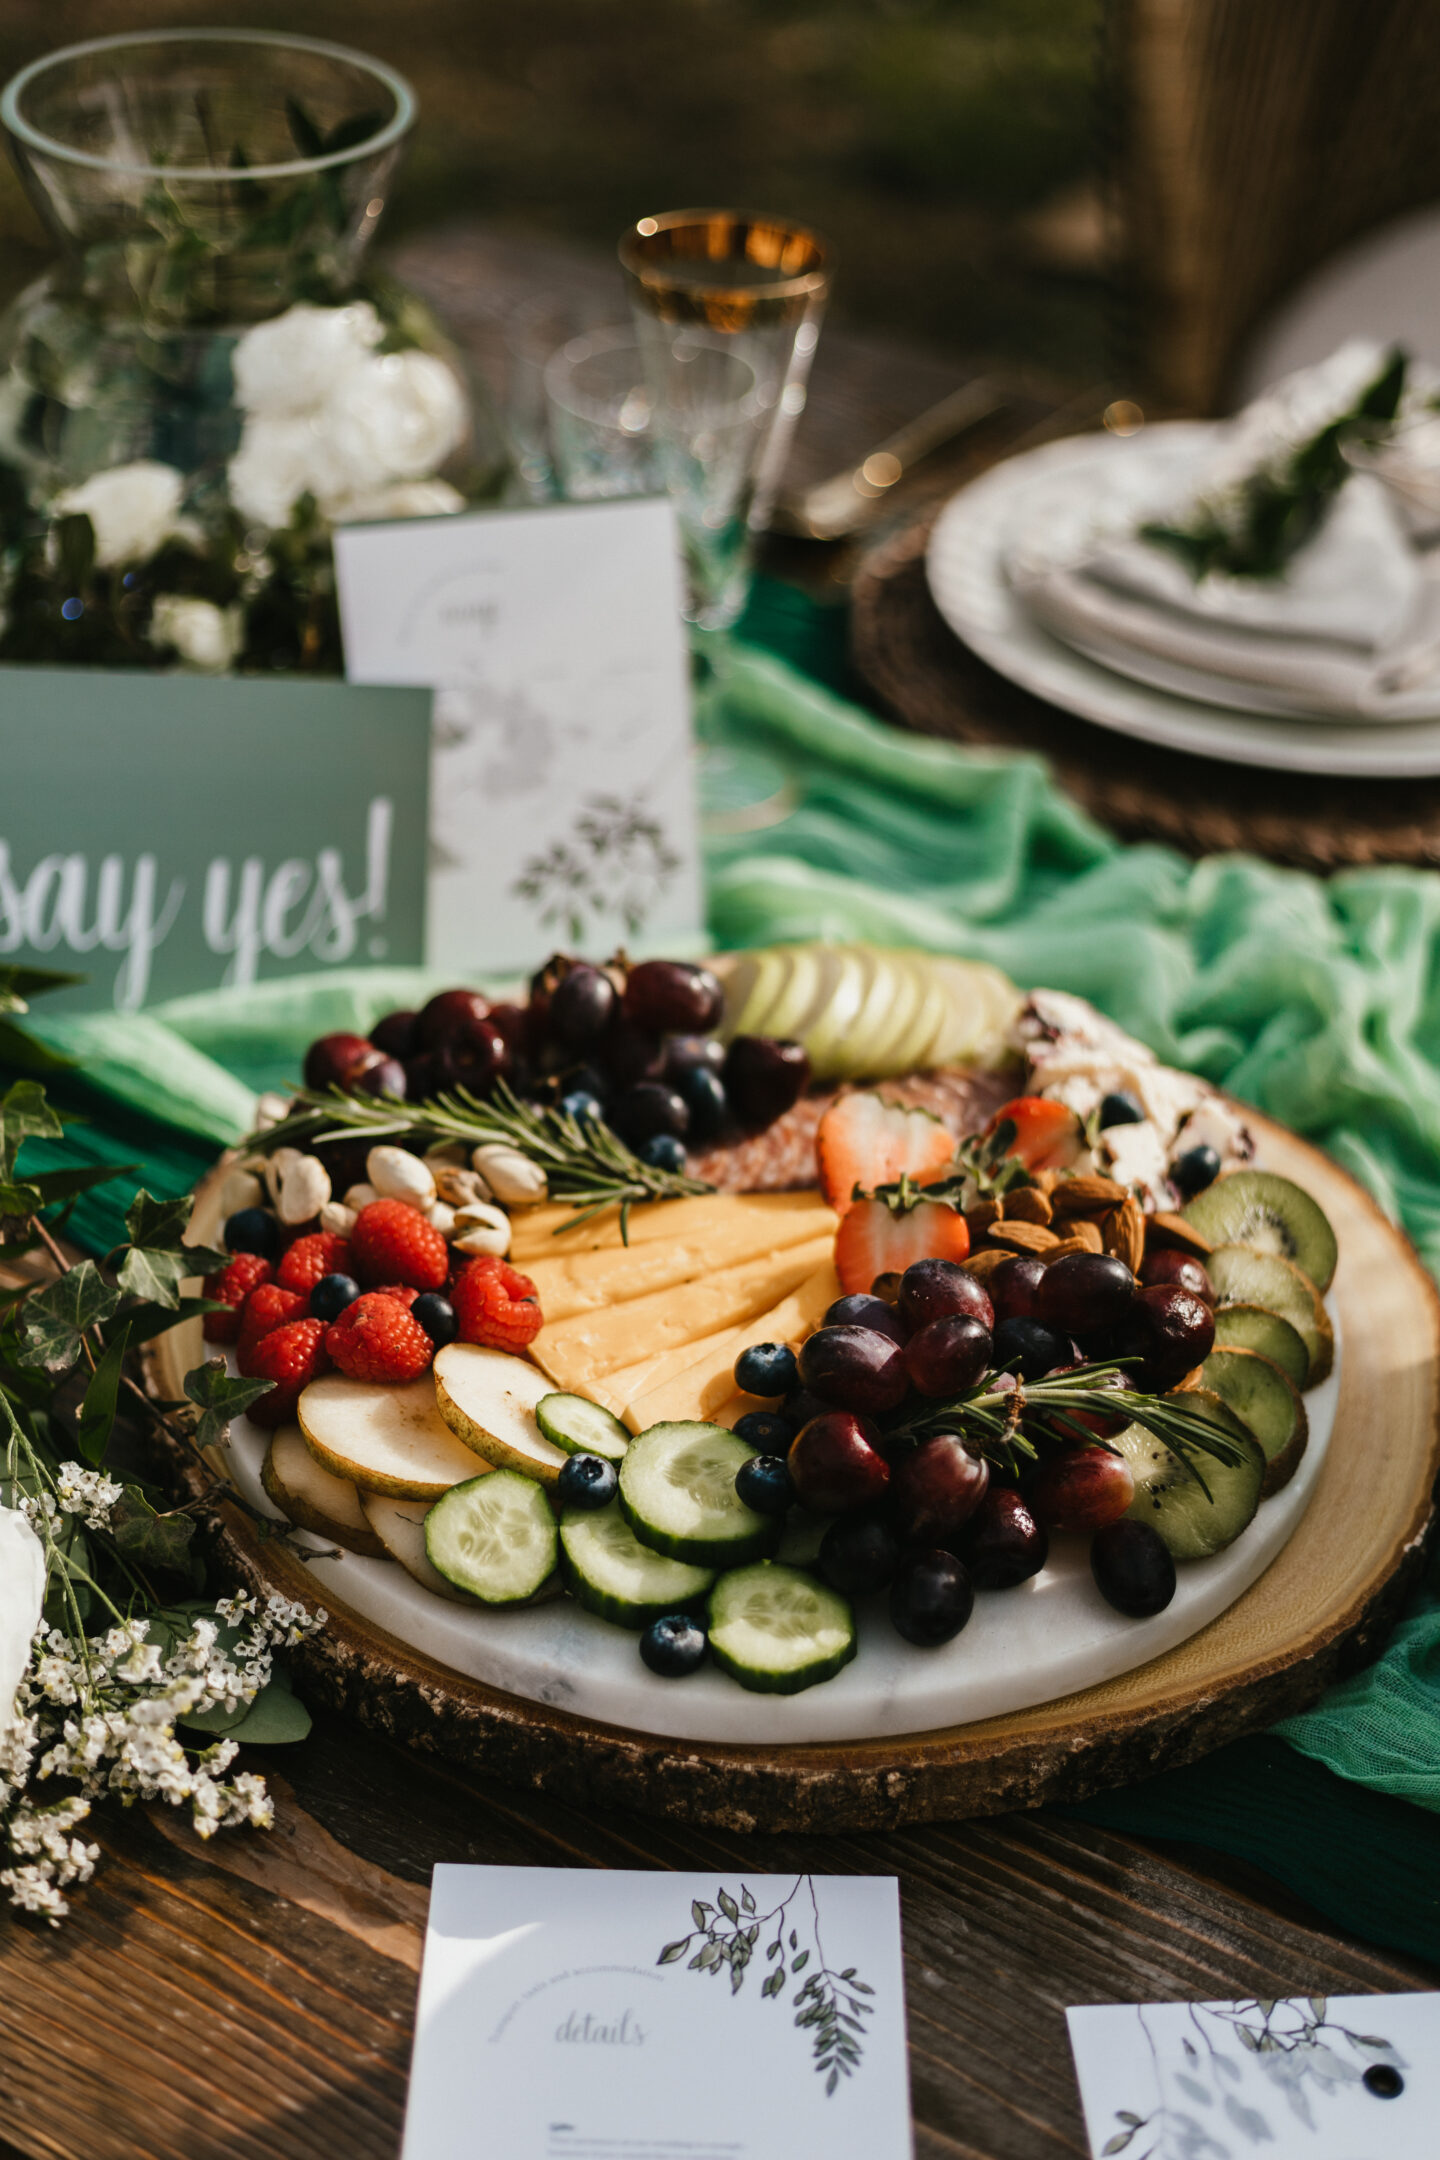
[[1255, 1207], [1270, 1405], [1172, 1500], [1250, 1327], [1244, 1276]]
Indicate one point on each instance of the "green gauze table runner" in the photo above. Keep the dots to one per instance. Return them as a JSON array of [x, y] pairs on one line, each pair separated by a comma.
[[1319, 1002]]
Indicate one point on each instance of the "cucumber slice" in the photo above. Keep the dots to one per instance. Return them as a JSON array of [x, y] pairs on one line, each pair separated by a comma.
[[400, 1527], [1244, 1276], [1250, 1327], [777, 1631], [677, 1492], [1172, 1501], [1260, 1393], [494, 1536], [607, 1570], [581, 1427], [1275, 1215]]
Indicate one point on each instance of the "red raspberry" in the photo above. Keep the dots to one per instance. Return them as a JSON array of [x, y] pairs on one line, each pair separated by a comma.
[[376, 1338], [291, 1356], [266, 1309], [392, 1242], [320, 1253], [233, 1283], [401, 1292], [496, 1305]]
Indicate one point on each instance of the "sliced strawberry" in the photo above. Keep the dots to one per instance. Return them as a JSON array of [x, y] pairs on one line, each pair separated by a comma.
[[866, 1141], [873, 1240], [1047, 1135]]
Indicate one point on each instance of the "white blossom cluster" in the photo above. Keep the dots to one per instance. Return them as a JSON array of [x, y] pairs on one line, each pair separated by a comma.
[[100, 1712]]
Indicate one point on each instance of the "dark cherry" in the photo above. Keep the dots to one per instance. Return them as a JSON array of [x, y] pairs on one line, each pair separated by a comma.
[[646, 1109], [631, 1054], [1194, 1170], [449, 1020], [386, 1076], [581, 1007], [1081, 1488], [764, 1078], [938, 1290], [515, 1025], [1003, 1544], [673, 997], [1084, 1294], [835, 1464], [338, 1060], [854, 1367], [865, 1311], [1172, 1330], [935, 1490], [1032, 1349], [800, 1405], [948, 1355], [703, 1093], [396, 1034], [931, 1598], [480, 1061], [1015, 1288], [1167, 1264], [1133, 1568], [684, 1053], [858, 1555]]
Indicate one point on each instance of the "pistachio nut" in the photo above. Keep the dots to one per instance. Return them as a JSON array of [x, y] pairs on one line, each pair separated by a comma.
[[511, 1176], [270, 1108], [459, 1187], [304, 1190], [441, 1216], [338, 1219], [360, 1196], [275, 1167], [480, 1228], [398, 1175]]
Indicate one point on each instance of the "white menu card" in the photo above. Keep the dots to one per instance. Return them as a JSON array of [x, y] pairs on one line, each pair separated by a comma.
[[589, 2014], [562, 787], [1344, 2077]]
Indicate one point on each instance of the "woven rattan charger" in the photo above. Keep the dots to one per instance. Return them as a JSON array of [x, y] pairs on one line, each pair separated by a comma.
[[933, 683]]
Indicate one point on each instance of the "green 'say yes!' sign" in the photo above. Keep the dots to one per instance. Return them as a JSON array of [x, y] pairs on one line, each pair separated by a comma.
[[162, 834]]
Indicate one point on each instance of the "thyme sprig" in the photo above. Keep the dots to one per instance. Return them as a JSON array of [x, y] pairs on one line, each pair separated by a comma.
[[587, 1166]]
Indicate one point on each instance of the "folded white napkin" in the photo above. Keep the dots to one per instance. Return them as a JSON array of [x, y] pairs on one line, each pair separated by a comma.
[[1350, 631]]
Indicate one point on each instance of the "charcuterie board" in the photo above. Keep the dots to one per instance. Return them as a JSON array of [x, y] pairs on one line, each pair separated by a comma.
[[1318, 1608]]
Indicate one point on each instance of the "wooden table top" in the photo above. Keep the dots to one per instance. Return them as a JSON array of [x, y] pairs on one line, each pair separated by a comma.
[[253, 1998]]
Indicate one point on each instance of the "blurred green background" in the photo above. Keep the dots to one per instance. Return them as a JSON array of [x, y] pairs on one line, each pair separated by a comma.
[[946, 147]]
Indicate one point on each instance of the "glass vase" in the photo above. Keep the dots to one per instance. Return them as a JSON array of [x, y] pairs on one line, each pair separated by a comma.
[[212, 377]]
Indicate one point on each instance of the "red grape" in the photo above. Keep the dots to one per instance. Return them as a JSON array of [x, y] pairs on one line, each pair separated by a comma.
[[835, 1464], [931, 1598], [1133, 1568], [855, 1367], [858, 1555], [481, 1060], [385, 1077], [395, 1034], [1060, 1425], [673, 997], [1084, 1294], [865, 1311], [949, 1355], [936, 1488], [338, 1060], [1172, 1330], [764, 1078], [450, 1020], [1003, 1544], [1169, 1265], [937, 1289], [581, 1007], [631, 1053], [647, 1109], [1081, 1488], [1015, 1287]]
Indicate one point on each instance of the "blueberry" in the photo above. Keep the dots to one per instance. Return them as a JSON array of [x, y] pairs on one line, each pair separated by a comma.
[[674, 1646], [703, 1093], [1194, 1170], [662, 1151], [767, 1368], [587, 1481], [437, 1316], [582, 1105], [763, 1430], [253, 1229], [1036, 1350], [764, 1484], [331, 1295], [1121, 1108]]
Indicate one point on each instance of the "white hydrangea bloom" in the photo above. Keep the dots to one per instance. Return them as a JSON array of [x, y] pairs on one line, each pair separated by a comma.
[[206, 637], [133, 508], [278, 461], [396, 418], [294, 363]]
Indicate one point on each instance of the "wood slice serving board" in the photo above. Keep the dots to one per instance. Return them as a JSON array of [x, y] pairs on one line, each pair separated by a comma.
[[1320, 1609]]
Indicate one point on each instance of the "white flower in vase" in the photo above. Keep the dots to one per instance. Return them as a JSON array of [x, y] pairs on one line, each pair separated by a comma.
[[133, 509], [396, 418], [406, 499], [277, 462], [22, 1593], [204, 636], [293, 364]]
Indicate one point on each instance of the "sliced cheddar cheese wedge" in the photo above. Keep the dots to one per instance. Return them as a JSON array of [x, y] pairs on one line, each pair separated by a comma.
[[533, 1230], [729, 1234], [707, 1384]]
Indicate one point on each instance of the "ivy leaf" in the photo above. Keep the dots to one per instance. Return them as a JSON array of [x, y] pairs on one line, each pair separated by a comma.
[[58, 1317], [24, 1113], [56, 1185], [148, 1539], [673, 1951], [27, 1054], [156, 1259], [97, 1412], [219, 1399]]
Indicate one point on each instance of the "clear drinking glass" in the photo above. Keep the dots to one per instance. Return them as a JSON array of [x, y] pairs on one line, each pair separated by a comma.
[[755, 287], [600, 411]]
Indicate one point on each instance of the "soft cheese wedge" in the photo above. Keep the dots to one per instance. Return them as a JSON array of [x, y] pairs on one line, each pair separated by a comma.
[[487, 1399], [313, 1498], [385, 1439], [739, 1227], [699, 1386], [582, 1349]]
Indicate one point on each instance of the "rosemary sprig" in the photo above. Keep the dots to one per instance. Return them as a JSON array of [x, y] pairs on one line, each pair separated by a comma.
[[993, 1417], [586, 1165]]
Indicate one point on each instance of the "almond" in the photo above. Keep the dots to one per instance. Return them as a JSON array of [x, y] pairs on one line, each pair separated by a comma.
[[1027, 1204], [980, 1218], [1059, 1252], [1086, 1233], [1025, 1237], [982, 1265], [1123, 1233], [1087, 1195], [1173, 1230]]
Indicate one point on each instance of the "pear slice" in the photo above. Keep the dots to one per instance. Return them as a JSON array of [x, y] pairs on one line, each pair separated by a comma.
[[796, 996], [890, 1048], [845, 976], [399, 1525], [854, 1055], [487, 1399], [313, 1498], [912, 1052], [748, 1002], [383, 1439]]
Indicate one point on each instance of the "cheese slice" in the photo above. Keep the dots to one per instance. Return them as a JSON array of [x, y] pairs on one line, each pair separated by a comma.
[[587, 1345], [533, 1230], [731, 1232], [707, 1384]]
